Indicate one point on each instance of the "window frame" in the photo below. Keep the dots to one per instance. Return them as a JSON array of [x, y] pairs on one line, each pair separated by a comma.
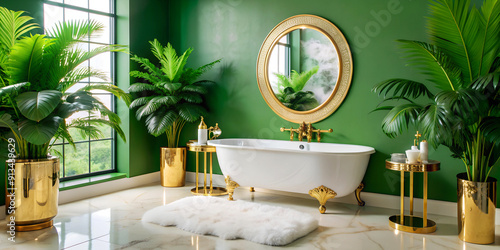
[[112, 31]]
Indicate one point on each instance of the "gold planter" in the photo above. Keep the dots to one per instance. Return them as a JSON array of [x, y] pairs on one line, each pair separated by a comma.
[[173, 167], [32, 192], [476, 210]]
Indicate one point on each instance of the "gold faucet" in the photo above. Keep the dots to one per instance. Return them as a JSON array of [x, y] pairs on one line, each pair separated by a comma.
[[305, 130]]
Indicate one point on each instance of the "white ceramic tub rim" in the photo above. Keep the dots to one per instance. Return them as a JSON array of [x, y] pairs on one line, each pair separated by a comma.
[[219, 143]]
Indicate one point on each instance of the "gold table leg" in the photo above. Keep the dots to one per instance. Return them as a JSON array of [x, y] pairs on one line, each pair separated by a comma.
[[411, 193], [211, 186], [425, 199], [197, 164], [205, 173], [402, 212]]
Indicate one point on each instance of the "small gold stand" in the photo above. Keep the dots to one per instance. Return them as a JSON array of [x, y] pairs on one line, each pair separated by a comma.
[[211, 190], [411, 223]]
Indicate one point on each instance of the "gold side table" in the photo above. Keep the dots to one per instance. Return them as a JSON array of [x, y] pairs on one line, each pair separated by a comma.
[[411, 223], [211, 190]]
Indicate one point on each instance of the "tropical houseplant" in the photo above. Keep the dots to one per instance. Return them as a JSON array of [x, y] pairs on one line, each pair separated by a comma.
[[36, 72], [290, 90], [459, 104], [169, 96]]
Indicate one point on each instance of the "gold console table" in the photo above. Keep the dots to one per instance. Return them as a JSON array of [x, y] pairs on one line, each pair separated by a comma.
[[211, 190], [411, 223]]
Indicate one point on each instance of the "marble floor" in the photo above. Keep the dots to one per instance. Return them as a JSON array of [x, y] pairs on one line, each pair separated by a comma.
[[114, 222]]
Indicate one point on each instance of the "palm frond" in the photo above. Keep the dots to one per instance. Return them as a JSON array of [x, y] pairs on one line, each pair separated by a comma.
[[190, 75], [146, 76], [158, 122], [433, 63], [468, 104], [25, 60], [108, 87], [490, 126], [139, 87], [13, 25], [148, 108], [195, 88], [402, 88], [490, 20], [151, 68], [400, 118], [140, 101], [454, 28], [172, 64], [191, 112], [191, 97], [299, 80]]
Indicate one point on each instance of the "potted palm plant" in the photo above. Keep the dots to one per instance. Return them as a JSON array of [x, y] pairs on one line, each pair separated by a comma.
[[169, 97], [458, 106], [36, 73]]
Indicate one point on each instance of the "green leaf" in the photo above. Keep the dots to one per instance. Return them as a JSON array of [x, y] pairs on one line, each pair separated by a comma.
[[190, 75], [191, 97], [490, 126], [402, 88], [435, 122], [191, 112], [113, 89], [158, 122], [466, 104], [140, 101], [13, 25], [171, 87], [38, 105], [25, 59], [7, 122], [454, 27], [400, 118], [11, 89], [39, 133], [139, 87], [195, 88], [440, 69]]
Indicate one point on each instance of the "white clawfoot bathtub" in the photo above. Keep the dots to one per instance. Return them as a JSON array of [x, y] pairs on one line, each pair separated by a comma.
[[293, 166]]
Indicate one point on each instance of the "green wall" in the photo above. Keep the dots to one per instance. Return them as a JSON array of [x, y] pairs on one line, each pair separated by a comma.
[[235, 29]]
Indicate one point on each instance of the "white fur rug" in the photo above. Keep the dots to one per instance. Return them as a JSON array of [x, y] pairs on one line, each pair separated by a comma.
[[229, 220]]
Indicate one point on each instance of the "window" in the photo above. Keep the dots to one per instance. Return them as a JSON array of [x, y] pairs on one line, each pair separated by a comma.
[[279, 61], [91, 157]]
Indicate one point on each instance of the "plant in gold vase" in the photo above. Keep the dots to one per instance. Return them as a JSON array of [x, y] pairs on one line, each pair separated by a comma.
[[36, 74], [459, 104], [169, 97]]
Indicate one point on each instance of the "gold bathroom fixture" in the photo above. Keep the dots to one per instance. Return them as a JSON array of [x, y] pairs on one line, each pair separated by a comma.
[[322, 194], [216, 131], [230, 186], [417, 139], [358, 194], [252, 189], [305, 131]]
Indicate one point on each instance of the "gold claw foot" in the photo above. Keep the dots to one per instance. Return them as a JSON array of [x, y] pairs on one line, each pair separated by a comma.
[[230, 186], [252, 189], [358, 194], [322, 194]]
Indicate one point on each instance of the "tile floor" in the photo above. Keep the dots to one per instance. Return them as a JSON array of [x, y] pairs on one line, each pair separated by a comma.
[[114, 222]]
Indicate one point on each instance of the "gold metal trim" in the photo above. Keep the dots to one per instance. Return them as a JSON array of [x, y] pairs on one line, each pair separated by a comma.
[[230, 186], [205, 190], [412, 224], [322, 194], [345, 68], [192, 146], [33, 227], [252, 189], [430, 166], [358, 194]]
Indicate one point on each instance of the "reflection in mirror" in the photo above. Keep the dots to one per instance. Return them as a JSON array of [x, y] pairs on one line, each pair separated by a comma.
[[303, 69]]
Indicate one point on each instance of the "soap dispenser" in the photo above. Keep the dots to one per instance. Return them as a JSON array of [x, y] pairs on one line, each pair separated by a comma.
[[202, 133]]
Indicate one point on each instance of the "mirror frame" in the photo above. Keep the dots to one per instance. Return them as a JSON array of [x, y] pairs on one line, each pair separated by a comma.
[[345, 68]]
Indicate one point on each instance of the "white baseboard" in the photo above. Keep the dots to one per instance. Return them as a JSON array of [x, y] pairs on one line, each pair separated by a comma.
[[90, 191], [435, 207]]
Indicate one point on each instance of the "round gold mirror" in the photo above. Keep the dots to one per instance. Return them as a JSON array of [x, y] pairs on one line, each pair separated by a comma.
[[304, 68]]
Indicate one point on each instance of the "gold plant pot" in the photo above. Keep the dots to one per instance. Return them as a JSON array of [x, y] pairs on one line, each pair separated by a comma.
[[173, 167], [32, 192], [476, 210]]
